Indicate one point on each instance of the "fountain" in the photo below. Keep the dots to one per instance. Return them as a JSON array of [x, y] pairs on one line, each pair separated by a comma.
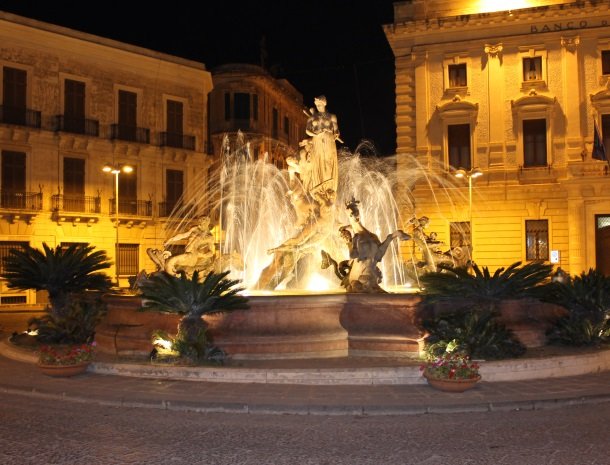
[[280, 232]]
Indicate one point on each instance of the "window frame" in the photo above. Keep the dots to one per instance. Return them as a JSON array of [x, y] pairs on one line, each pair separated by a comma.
[[527, 230], [452, 60], [127, 269], [529, 52], [460, 147], [534, 164]]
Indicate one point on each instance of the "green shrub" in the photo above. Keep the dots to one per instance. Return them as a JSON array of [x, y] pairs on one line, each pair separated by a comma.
[[475, 332], [514, 282], [586, 297], [76, 324]]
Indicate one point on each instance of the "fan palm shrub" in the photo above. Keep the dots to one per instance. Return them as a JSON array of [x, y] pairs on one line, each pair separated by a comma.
[[62, 272], [586, 297], [192, 298], [514, 282], [469, 316]]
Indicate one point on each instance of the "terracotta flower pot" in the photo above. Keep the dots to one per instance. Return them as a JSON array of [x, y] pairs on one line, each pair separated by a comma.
[[451, 385], [63, 371]]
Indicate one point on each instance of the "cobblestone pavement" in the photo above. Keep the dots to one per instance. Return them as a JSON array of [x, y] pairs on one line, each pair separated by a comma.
[[37, 431]]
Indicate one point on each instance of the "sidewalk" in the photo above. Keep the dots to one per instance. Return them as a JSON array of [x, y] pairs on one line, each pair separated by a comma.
[[22, 378]]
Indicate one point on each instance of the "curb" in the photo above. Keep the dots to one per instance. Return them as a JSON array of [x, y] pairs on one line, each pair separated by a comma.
[[319, 409]]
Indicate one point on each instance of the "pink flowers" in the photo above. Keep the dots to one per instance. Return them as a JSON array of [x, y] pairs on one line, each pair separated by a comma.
[[451, 366], [66, 354]]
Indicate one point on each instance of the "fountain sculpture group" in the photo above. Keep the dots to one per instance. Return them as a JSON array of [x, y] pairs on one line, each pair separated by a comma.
[[302, 221], [314, 184]]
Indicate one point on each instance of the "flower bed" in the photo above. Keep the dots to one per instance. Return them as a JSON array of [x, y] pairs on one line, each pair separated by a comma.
[[66, 354]]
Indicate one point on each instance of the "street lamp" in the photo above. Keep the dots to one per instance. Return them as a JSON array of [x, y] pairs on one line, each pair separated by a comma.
[[116, 170], [470, 175]]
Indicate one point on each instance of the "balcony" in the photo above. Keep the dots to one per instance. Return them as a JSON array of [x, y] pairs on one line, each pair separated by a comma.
[[88, 127], [19, 116], [132, 207], [76, 203], [179, 141], [15, 200], [130, 133], [167, 208]]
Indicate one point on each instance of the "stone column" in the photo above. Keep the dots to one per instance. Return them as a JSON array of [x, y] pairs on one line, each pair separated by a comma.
[[572, 97], [576, 235], [495, 105]]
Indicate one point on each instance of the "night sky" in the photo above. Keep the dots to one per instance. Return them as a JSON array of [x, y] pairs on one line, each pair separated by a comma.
[[336, 48]]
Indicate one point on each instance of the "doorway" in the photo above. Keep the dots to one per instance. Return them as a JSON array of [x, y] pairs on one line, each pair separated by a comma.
[[602, 243]]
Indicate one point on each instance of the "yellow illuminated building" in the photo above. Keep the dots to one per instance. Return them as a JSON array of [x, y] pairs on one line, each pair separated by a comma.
[[515, 93], [72, 103]]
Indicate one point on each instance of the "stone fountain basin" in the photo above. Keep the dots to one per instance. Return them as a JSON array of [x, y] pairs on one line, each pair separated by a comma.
[[280, 326]]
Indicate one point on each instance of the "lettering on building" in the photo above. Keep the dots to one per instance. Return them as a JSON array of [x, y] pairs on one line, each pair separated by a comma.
[[567, 26]]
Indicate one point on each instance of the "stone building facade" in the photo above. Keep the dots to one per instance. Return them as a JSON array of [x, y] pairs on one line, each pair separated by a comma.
[[268, 112], [73, 103], [516, 94]]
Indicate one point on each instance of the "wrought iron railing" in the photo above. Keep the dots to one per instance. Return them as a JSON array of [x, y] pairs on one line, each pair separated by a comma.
[[130, 133], [21, 200], [132, 207], [167, 208], [180, 141], [84, 126], [76, 203], [20, 116]]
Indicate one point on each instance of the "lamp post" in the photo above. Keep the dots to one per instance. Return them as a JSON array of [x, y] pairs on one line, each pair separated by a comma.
[[470, 175], [116, 170]]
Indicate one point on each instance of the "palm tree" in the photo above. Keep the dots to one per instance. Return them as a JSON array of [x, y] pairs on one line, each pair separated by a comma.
[[59, 271], [191, 298]]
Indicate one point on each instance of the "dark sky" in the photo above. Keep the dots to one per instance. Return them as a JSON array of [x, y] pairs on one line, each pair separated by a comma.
[[333, 47]]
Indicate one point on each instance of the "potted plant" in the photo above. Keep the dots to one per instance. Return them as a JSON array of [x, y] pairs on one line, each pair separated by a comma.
[[451, 372], [65, 360]]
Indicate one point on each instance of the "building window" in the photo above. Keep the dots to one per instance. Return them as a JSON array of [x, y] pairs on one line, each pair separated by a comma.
[[227, 106], [74, 106], [14, 97], [5, 250], [457, 75], [128, 193], [459, 234], [13, 180], [74, 176], [174, 185], [534, 143], [255, 107], [537, 239], [287, 127], [175, 117], [458, 145], [74, 184], [128, 115], [276, 121], [241, 106], [128, 259], [605, 61], [532, 69]]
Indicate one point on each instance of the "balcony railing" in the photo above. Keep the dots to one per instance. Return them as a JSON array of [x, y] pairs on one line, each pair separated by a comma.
[[20, 116], [132, 207], [77, 203], [180, 141], [130, 133], [21, 200], [166, 209], [84, 126]]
